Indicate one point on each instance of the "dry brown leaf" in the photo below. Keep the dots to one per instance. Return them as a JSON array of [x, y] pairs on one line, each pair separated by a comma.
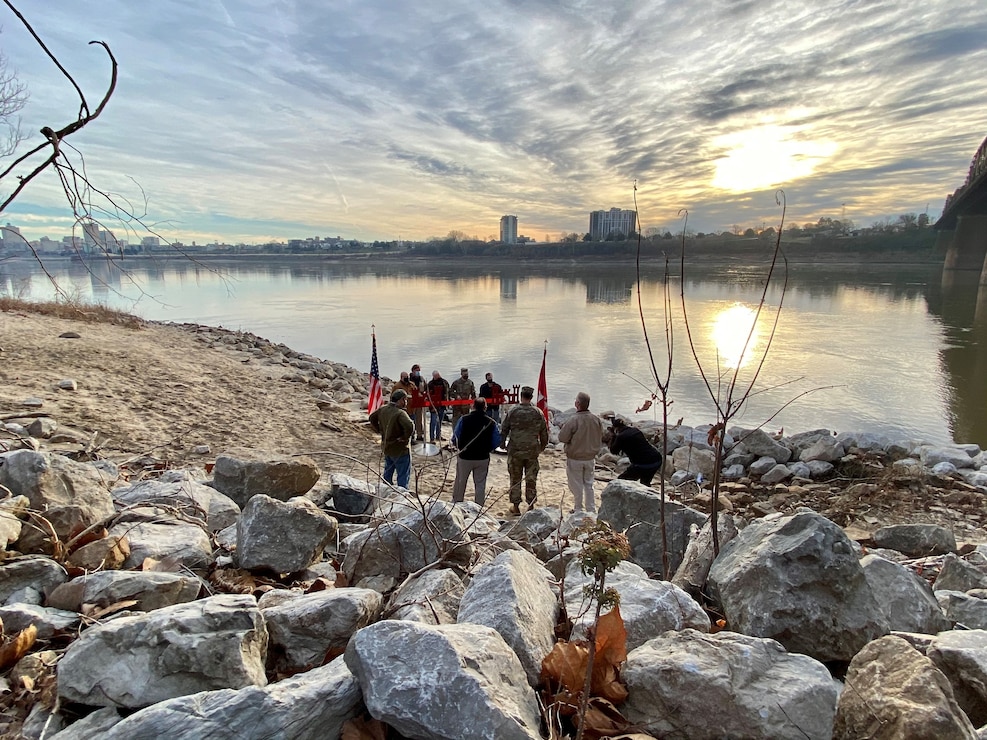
[[233, 581], [94, 612], [359, 728], [341, 580], [96, 534], [16, 648], [603, 720], [611, 651], [27, 682], [566, 665], [319, 584]]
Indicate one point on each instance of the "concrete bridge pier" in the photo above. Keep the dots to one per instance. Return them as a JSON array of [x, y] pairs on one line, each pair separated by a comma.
[[968, 249]]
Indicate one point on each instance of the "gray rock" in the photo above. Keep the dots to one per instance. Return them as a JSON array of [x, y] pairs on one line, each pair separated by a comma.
[[135, 661], [819, 469], [944, 469], [533, 526], [352, 499], [409, 544], [733, 472], [303, 631], [283, 537], [797, 579], [190, 497], [694, 459], [967, 611], [648, 607], [47, 621], [67, 384], [931, 456], [447, 681], [865, 441], [635, 509], [800, 470], [310, 706], [42, 427], [693, 571], [183, 542], [27, 580], [91, 726], [762, 465], [241, 474], [512, 596], [758, 442], [693, 685], [893, 691], [916, 540], [70, 495], [151, 590], [962, 657], [776, 475], [827, 449], [957, 574], [906, 600], [431, 598]]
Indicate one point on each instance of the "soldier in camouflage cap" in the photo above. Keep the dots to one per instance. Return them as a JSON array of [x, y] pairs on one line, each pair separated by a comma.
[[525, 432]]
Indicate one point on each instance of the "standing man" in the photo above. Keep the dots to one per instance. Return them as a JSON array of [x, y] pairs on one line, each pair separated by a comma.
[[525, 432], [396, 430], [583, 436], [418, 402], [490, 391], [645, 458], [462, 388], [438, 392], [476, 435]]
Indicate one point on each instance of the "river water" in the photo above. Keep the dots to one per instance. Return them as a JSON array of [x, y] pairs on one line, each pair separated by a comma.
[[880, 348]]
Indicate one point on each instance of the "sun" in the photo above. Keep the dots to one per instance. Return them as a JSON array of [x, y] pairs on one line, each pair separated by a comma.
[[767, 156]]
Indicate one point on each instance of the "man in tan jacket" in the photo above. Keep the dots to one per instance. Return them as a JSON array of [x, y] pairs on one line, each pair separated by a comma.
[[583, 436]]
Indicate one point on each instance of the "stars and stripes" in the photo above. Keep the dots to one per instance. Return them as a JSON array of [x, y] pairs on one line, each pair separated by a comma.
[[375, 394]]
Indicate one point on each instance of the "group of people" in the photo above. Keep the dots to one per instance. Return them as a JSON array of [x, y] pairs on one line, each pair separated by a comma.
[[523, 432]]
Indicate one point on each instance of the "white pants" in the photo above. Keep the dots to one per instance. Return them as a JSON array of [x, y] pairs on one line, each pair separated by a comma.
[[579, 473]]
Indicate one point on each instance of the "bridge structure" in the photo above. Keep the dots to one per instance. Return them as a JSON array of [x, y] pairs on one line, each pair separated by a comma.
[[963, 226]]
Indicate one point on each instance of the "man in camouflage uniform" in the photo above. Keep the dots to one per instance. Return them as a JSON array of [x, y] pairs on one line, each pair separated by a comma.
[[525, 434], [461, 387]]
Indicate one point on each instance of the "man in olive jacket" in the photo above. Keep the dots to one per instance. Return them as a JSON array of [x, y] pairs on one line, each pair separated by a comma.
[[526, 433], [396, 430]]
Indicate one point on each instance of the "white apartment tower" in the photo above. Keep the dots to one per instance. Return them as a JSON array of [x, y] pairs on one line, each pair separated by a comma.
[[615, 221], [508, 229]]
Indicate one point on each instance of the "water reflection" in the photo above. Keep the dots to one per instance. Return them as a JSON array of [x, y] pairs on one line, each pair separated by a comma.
[[903, 360]]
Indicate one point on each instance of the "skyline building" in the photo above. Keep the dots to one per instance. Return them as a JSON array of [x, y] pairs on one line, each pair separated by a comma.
[[604, 223], [508, 229]]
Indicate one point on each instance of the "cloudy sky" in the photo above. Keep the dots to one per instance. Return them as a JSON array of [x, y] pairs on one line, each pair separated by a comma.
[[245, 120]]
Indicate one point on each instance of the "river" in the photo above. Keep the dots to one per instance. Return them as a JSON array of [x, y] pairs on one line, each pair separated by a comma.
[[880, 349]]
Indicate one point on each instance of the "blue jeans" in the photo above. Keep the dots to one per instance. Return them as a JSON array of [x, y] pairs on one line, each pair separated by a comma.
[[434, 425], [400, 464]]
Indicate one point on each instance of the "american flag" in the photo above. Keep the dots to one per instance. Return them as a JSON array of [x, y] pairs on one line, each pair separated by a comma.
[[375, 395]]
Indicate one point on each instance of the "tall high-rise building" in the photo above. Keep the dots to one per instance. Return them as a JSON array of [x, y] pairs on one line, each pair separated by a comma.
[[508, 229], [603, 224]]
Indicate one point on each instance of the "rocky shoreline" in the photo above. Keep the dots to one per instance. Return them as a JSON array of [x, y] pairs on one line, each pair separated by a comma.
[[254, 593]]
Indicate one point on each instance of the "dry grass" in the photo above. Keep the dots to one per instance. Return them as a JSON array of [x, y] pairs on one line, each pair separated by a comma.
[[73, 309]]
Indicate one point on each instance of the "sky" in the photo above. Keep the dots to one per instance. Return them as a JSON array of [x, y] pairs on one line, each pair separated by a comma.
[[260, 120]]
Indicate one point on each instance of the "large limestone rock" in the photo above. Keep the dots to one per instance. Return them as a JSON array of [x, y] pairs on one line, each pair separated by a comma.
[[965, 610], [27, 580], [962, 656], [151, 590], [304, 630], [635, 509], [511, 595], [241, 474], [534, 526], [760, 443], [189, 496], [310, 706], [693, 571], [69, 494], [431, 598], [352, 498], [796, 579], [959, 575], [183, 542], [694, 460], [135, 661], [648, 607], [693, 685], [915, 540], [893, 691], [447, 681], [283, 537], [398, 547], [906, 600], [48, 621]]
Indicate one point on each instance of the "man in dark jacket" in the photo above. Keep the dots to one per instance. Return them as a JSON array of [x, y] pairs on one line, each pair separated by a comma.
[[645, 458], [396, 429], [476, 435]]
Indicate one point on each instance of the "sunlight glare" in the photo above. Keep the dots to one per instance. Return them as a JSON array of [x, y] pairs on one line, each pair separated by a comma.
[[731, 328], [767, 156]]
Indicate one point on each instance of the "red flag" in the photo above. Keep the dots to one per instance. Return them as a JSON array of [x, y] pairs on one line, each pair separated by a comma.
[[542, 401], [375, 395]]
